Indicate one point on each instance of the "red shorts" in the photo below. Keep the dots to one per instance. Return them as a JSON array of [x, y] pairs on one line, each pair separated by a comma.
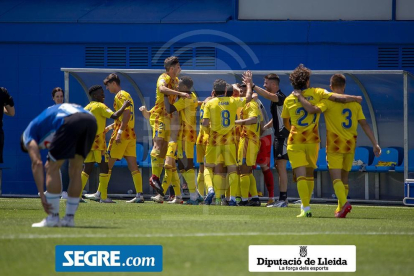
[[263, 157]]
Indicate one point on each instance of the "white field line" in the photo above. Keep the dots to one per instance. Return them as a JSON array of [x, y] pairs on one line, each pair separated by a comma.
[[164, 235]]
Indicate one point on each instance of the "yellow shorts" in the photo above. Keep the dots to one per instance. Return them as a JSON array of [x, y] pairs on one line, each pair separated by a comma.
[[341, 161], [185, 149], [96, 156], [303, 155], [226, 152], [125, 148], [161, 129], [247, 153], [201, 152]]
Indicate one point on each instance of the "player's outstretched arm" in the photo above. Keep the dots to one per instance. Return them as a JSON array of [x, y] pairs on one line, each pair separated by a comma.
[[167, 91], [267, 95], [145, 112], [118, 113], [343, 98], [368, 131], [38, 172], [305, 103], [247, 79], [249, 121]]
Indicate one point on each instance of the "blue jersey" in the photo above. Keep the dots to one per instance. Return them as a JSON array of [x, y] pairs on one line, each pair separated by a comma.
[[42, 129]]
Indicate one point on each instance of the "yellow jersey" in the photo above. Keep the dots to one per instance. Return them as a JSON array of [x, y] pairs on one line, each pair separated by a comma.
[[341, 125], [158, 112], [202, 138], [101, 113], [304, 126], [251, 132], [222, 114], [129, 132], [188, 110]]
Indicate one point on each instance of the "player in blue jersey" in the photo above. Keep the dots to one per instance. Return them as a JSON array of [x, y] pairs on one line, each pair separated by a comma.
[[67, 131]]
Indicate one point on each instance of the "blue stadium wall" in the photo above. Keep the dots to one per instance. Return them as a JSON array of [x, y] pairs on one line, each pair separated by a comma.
[[33, 51]]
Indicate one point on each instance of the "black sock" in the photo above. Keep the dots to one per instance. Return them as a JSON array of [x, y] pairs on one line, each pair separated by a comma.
[[283, 196]]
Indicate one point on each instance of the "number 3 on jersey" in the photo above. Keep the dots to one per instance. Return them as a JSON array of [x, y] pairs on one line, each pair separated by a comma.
[[225, 118], [348, 117]]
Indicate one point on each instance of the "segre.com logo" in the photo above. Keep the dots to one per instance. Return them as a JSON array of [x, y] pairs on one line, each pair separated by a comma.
[[108, 258]]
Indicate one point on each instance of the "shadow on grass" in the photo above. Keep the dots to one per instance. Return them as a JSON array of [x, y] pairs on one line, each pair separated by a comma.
[[348, 218]]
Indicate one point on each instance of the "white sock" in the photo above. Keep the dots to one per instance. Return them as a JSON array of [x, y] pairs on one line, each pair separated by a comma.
[[72, 205], [53, 199], [210, 190], [233, 198], [193, 196], [244, 199], [306, 209], [256, 196]]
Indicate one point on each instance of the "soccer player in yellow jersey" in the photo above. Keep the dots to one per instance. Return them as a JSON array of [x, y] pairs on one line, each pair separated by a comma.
[[303, 141], [123, 139], [341, 136], [187, 108], [249, 145], [159, 120], [219, 121], [98, 152]]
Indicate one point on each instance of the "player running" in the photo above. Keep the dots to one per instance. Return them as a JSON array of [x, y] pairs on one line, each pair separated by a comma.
[[341, 137]]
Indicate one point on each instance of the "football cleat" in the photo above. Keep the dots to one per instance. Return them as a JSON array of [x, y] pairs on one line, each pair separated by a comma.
[[81, 200], [243, 203], [304, 214], [270, 202], [209, 198], [232, 203], [176, 200], [107, 200], [155, 183], [279, 204], [254, 202], [158, 198], [67, 221], [136, 200], [344, 210], [48, 222], [96, 196]]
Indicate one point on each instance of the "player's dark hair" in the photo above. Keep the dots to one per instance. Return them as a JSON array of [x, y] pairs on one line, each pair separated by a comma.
[[170, 61], [299, 77], [338, 81], [57, 89], [187, 81], [112, 78], [219, 86], [22, 146], [94, 88], [229, 92], [273, 77]]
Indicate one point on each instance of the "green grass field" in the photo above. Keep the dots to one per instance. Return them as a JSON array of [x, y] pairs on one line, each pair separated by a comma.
[[206, 240]]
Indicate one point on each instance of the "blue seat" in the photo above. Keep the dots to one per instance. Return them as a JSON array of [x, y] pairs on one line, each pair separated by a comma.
[[321, 163], [363, 155], [410, 163], [147, 162], [387, 155]]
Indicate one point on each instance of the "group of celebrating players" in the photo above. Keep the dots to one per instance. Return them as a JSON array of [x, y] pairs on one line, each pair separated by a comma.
[[233, 138]]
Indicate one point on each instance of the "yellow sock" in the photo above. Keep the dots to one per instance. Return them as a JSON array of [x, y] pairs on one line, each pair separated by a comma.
[[253, 186], [189, 177], [200, 183], [157, 164], [137, 178], [238, 191], [234, 183], [102, 189], [218, 183], [346, 194], [208, 177], [103, 184], [346, 190], [227, 186], [303, 191], [340, 191], [84, 177], [172, 148], [167, 179], [244, 186], [310, 181], [176, 182]]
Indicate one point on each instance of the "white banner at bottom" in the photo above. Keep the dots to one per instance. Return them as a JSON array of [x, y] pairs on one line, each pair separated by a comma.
[[302, 258]]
